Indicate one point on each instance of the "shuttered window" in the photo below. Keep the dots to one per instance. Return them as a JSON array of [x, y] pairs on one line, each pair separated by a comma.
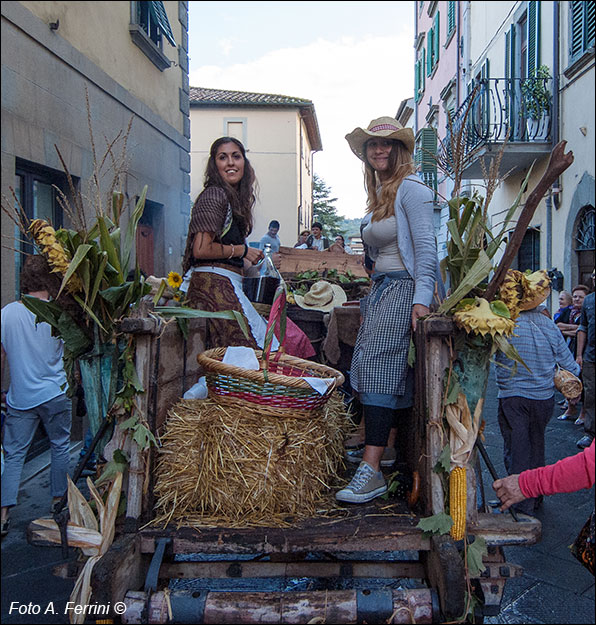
[[419, 78], [450, 17], [533, 38], [582, 28], [425, 157], [430, 51], [433, 39], [437, 34]]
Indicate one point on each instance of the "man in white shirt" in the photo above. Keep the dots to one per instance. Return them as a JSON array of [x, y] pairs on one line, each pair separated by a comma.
[[36, 392]]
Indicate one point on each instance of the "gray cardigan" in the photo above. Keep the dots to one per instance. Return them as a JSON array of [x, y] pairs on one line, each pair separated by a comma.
[[415, 237]]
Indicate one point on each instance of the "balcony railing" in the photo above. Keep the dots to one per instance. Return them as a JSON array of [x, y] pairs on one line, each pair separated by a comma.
[[497, 108]]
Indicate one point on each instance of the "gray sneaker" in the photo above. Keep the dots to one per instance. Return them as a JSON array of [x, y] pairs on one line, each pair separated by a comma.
[[365, 485], [387, 459]]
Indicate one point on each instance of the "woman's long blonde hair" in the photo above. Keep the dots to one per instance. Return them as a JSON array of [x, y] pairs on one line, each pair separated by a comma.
[[380, 203]]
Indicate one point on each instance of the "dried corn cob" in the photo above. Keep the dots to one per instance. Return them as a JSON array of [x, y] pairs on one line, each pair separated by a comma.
[[457, 502]]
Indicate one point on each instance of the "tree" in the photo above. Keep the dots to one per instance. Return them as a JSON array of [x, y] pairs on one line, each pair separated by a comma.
[[323, 207]]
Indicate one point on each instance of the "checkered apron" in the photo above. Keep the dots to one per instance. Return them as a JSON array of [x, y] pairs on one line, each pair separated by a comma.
[[380, 360]]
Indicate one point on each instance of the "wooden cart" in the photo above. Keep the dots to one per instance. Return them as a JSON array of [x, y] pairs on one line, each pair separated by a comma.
[[339, 557]]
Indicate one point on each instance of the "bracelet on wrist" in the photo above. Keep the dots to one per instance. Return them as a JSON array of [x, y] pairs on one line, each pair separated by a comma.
[[233, 251], [245, 251]]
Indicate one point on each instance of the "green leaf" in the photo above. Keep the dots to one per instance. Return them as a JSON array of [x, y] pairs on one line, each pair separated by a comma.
[[411, 354], [118, 464], [444, 462], [474, 553], [108, 246], [467, 301], [131, 230], [509, 350], [479, 270], [500, 308], [454, 389], [437, 524], [183, 327], [143, 437], [74, 338], [130, 423], [103, 260], [160, 291], [74, 264], [47, 312]]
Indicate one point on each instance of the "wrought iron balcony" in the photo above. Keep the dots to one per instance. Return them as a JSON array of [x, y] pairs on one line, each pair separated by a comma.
[[496, 110]]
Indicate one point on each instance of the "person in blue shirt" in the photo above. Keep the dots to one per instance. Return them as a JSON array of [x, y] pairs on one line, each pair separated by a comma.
[[271, 237], [527, 397]]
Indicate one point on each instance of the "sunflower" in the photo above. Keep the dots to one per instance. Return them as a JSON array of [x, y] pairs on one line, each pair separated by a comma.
[[174, 279]]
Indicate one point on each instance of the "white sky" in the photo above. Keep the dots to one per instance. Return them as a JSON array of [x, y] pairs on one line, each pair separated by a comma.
[[354, 60]]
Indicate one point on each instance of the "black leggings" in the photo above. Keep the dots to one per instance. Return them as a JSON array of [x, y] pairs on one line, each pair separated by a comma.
[[378, 421]]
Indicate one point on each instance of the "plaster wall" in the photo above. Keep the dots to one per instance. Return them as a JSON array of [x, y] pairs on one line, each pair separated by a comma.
[[99, 31]]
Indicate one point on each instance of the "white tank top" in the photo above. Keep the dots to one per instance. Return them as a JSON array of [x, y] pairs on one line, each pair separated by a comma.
[[383, 235]]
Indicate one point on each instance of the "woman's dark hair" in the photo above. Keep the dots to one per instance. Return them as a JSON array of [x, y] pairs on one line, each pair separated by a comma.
[[242, 199], [36, 276]]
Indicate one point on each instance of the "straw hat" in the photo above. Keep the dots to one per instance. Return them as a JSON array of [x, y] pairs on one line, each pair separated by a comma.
[[382, 128], [322, 296]]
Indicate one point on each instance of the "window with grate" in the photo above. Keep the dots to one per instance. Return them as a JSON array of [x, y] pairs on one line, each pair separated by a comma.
[[528, 256], [37, 190]]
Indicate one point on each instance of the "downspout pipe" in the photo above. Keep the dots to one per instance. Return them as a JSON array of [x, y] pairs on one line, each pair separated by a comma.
[[554, 137]]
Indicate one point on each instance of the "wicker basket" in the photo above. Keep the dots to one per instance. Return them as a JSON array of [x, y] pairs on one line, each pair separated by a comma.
[[279, 389], [568, 384]]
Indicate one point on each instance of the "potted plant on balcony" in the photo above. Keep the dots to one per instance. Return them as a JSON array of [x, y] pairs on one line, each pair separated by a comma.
[[537, 101]]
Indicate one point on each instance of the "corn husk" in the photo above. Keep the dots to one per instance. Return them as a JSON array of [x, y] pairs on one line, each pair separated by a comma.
[[235, 466], [84, 531]]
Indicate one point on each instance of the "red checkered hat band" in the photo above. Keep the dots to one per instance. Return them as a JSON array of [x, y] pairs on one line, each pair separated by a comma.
[[382, 127]]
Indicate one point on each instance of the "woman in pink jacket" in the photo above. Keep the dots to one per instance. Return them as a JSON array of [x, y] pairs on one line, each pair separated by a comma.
[[565, 476]]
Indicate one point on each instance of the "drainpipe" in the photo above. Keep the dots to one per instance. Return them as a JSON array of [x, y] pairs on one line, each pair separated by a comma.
[[417, 104], [555, 139]]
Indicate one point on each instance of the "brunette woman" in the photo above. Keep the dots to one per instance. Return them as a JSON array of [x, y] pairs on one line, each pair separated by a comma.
[[217, 253]]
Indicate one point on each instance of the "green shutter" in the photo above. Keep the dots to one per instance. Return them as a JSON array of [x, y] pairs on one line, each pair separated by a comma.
[[429, 54], [417, 81], [533, 38], [577, 28], [582, 28], [422, 62], [428, 145], [161, 17], [590, 9], [450, 17], [437, 34]]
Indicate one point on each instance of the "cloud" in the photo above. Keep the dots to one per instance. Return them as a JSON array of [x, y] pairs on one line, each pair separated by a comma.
[[226, 45], [350, 81]]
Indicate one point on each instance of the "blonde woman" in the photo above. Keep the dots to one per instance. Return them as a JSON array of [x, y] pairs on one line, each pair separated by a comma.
[[398, 235]]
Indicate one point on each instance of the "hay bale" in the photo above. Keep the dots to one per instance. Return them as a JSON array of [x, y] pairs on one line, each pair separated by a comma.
[[229, 465]]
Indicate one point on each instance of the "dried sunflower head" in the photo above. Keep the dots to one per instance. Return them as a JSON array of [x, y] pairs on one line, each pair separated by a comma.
[[483, 317]]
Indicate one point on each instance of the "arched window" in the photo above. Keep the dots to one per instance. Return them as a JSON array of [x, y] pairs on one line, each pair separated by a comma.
[[584, 244]]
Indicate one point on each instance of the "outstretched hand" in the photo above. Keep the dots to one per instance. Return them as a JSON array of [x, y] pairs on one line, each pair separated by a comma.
[[508, 491]]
